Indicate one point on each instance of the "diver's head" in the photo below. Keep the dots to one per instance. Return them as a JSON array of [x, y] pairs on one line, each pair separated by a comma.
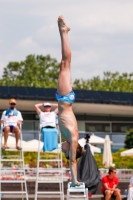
[[66, 149]]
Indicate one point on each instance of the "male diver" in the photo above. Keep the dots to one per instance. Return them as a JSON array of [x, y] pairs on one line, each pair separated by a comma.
[[66, 96]]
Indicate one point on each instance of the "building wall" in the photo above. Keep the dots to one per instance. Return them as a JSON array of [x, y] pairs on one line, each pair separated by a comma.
[[113, 125], [81, 125], [101, 125]]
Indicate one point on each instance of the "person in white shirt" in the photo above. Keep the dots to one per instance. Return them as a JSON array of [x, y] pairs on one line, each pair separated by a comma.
[[130, 190], [11, 119], [47, 117]]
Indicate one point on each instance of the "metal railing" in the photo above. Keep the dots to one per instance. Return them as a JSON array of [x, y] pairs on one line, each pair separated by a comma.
[[124, 175]]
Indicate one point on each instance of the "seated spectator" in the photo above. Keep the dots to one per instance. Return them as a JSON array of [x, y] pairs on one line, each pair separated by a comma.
[[11, 118], [47, 117], [48, 122], [130, 190], [109, 185]]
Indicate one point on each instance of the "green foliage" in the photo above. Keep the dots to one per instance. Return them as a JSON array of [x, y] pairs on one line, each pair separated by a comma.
[[98, 158], [28, 156], [42, 71], [129, 139], [117, 160], [110, 82], [35, 71]]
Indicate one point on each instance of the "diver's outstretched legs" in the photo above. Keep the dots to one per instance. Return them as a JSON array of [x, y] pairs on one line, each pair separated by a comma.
[[64, 88], [64, 80]]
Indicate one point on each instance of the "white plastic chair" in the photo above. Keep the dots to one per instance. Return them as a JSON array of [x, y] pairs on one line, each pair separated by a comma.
[[77, 189]]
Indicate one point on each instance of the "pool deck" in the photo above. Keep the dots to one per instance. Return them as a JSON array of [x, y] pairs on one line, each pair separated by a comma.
[[54, 187]]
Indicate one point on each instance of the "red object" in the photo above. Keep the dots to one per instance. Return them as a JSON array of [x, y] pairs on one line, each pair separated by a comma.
[[69, 176], [89, 195], [110, 182], [3, 177]]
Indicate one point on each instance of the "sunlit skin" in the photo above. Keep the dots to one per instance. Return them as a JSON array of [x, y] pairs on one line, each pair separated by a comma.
[[47, 109], [67, 120]]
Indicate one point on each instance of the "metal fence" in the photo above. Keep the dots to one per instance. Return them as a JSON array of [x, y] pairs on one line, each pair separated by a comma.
[[124, 175]]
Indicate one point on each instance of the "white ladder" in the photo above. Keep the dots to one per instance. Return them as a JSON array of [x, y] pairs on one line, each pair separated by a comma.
[[57, 178], [13, 175], [78, 189]]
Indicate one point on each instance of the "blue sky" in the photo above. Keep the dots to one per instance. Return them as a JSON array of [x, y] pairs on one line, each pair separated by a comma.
[[101, 35]]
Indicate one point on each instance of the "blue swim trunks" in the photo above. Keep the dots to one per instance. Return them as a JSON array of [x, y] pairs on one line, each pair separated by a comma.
[[11, 128], [70, 98]]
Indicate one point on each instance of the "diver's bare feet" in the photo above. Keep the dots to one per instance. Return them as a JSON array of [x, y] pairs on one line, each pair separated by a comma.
[[75, 184], [63, 27]]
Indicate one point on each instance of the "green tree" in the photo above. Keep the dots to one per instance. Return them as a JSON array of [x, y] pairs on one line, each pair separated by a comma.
[[34, 71], [110, 82], [129, 139]]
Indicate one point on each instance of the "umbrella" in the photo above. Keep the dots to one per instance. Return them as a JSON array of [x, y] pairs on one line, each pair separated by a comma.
[[32, 145], [95, 149], [107, 155], [82, 142], [128, 152], [97, 140]]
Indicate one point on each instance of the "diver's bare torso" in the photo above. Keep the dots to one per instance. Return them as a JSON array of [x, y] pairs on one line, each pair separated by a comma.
[[67, 120]]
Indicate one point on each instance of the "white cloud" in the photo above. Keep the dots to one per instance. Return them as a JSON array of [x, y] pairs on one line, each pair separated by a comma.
[[101, 35]]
